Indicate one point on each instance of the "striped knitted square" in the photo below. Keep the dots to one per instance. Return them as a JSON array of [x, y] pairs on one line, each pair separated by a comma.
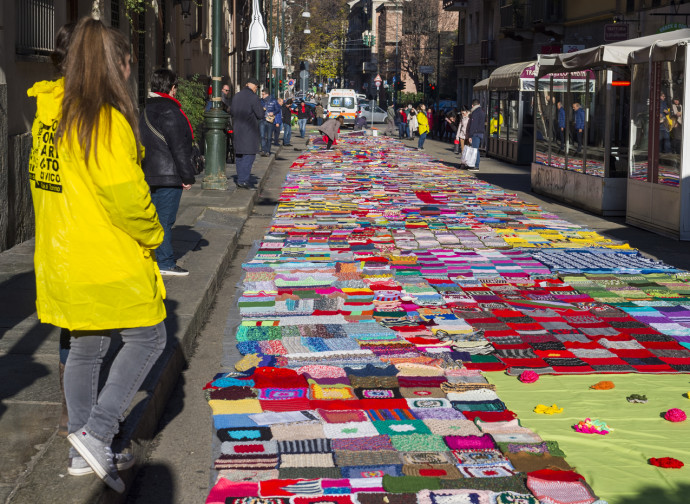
[[357, 458], [305, 446], [306, 460]]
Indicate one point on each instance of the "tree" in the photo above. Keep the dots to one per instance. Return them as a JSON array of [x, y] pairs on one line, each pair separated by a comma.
[[323, 46], [422, 21]]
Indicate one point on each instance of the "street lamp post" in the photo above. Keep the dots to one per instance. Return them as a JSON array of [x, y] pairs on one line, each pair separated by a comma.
[[216, 118]]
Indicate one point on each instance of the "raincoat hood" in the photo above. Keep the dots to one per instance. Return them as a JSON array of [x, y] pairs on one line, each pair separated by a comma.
[[48, 96]]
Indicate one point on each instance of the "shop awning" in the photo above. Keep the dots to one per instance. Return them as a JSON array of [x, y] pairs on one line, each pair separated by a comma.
[[482, 85], [507, 78], [661, 51], [608, 54]]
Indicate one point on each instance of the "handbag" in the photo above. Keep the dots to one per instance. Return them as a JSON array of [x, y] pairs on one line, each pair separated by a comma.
[[198, 160], [269, 118]]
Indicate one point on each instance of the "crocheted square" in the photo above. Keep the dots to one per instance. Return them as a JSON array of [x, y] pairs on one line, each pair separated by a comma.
[[424, 458], [331, 393], [308, 472], [371, 471], [422, 392], [245, 434], [371, 457], [290, 432], [349, 430], [575, 492], [374, 443], [483, 442], [443, 471], [326, 499], [478, 457], [401, 427], [492, 471], [428, 403], [454, 497], [249, 448], [305, 446], [377, 393], [306, 460], [243, 475], [234, 407], [342, 416], [386, 498], [418, 442], [232, 394], [452, 427]]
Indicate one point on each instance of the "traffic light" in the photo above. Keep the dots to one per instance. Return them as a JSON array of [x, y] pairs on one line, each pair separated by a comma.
[[400, 85], [281, 86]]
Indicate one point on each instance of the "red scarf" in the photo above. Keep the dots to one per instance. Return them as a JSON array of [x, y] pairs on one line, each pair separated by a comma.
[[165, 95]]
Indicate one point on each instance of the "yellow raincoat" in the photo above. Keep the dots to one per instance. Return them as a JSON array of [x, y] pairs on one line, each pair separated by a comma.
[[95, 226], [423, 123]]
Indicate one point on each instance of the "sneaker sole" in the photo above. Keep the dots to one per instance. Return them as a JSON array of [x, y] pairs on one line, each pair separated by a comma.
[[87, 470], [116, 484], [171, 273]]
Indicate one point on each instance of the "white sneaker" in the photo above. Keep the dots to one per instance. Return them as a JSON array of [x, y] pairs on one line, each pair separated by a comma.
[[175, 271], [77, 466], [99, 456]]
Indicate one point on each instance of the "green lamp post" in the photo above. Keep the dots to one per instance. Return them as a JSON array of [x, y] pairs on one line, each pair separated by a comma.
[[216, 118]]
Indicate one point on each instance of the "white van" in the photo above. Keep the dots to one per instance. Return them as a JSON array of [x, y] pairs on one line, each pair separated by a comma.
[[342, 102]]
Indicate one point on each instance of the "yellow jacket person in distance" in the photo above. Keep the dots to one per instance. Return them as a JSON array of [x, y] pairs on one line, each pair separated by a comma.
[[95, 225], [422, 121]]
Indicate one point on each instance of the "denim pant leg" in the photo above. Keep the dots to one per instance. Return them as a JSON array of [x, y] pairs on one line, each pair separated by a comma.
[[167, 201], [141, 348], [476, 143], [243, 163], [266, 135], [82, 370], [276, 134], [302, 127], [287, 133], [401, 131], [420, 143]]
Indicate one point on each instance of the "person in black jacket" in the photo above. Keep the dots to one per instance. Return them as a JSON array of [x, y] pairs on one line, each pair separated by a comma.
[[246, 111], [475, 129], [167, 136]]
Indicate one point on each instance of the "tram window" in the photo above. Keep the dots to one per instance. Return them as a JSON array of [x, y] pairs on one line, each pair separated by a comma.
[[619, 122], [639, 122], [671, 121]]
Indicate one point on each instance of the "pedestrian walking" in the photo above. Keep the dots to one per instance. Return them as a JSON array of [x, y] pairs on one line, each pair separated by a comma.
[[391, 125], [167, 137], [319, 114], [286, 115], [246, 111], [278, 123], [267, 124], [401, 119], [561, 125], [423, 126], [97, 212], [461, 135], [579, 125], [475, 129], [302, 118], [331, 128]]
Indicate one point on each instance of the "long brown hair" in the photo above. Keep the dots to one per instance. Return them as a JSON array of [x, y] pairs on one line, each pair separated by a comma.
[[94, 79]]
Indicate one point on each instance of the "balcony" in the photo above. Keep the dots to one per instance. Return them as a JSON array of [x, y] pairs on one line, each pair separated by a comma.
[[458, 55], [454, 5], [488, 56], [548, 16], [516, 20]]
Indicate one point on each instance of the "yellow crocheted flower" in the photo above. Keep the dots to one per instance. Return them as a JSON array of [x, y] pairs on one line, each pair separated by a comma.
[[548, 410]]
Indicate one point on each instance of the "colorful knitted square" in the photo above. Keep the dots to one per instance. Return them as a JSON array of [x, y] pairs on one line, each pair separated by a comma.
[[443, 471], [306, 460], [401, 427], [491, 471], [349, 430], [418, 442], [371, 471], [342, 416]]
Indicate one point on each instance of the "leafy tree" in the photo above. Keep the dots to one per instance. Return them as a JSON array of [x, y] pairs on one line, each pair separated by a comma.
[[190, 94]]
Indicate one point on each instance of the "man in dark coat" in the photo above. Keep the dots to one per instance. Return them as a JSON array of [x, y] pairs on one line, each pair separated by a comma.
[[246, 112], [475, 129]]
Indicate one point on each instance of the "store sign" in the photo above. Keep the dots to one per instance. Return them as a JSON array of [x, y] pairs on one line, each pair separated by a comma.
[[615, 32], [424, 69], [550, 49], [671, 27], [571, 48], [530, 73]]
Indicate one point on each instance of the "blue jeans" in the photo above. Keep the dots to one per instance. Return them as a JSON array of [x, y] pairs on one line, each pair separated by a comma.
[[287, 133], [266, 130], [167, 201], [101, 412], [407, 130], [422, 137], [476, 142], [276, 134], [302, 127], [319, 121], [243, 164], [401, 130]]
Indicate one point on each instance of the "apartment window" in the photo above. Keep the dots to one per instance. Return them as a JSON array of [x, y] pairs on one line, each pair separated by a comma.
[[115, 13], [35, 27], [630, 6], [469, 31]]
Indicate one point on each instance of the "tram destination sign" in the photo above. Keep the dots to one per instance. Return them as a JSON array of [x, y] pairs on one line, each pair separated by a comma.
[[615, 32]]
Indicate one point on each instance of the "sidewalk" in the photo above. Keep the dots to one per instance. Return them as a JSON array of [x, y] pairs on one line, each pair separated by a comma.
[[34, 466]]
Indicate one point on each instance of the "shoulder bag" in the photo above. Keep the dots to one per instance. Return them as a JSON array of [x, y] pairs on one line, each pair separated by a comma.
[[198, 160]]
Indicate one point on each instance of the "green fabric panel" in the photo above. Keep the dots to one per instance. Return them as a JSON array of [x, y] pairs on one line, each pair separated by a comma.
[[614, 465]]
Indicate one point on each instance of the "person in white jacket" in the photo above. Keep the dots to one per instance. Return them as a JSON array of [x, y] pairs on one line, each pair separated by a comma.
[[461, 135]]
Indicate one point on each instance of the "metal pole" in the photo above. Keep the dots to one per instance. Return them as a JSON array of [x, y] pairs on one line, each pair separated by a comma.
[[397, 70], [270, 53], [438, 70], [216, 119]]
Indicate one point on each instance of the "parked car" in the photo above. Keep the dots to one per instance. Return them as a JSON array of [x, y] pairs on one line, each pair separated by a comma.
[[379, 114]]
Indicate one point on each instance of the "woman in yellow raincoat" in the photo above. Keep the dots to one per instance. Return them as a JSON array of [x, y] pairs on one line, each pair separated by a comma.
[[423, 126], [95, 231]]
